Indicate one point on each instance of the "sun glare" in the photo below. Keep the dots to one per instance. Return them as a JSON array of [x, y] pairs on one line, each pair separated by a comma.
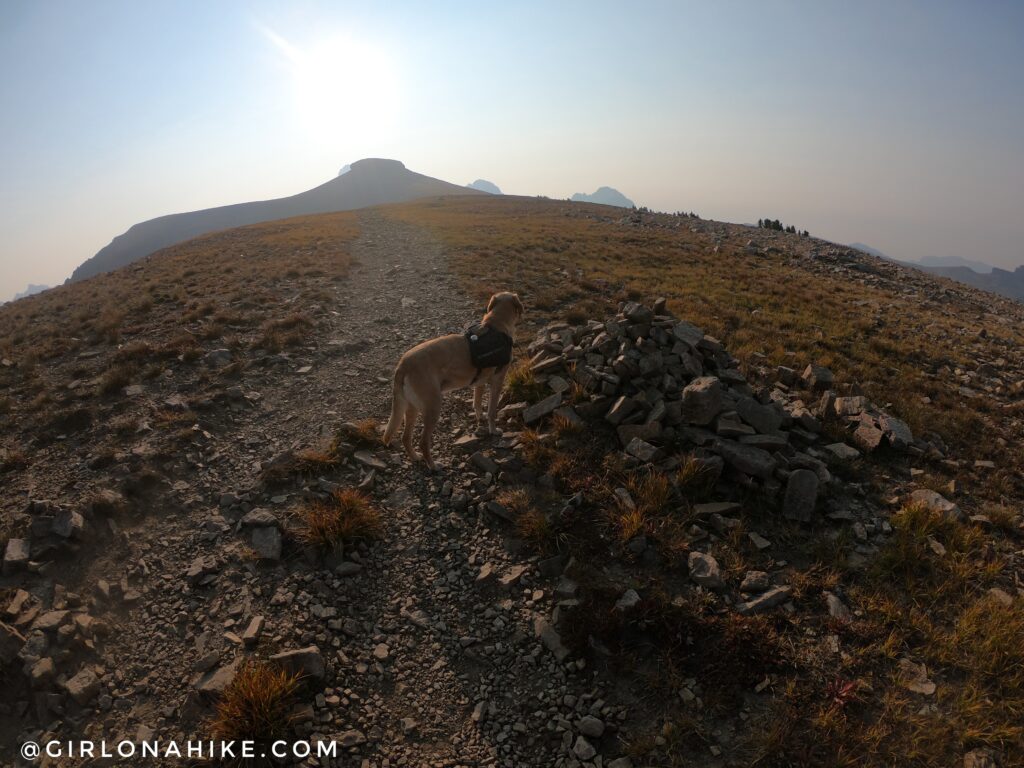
[[344, 89]]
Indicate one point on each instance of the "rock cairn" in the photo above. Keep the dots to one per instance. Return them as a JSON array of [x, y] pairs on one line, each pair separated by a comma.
[[667, 388]]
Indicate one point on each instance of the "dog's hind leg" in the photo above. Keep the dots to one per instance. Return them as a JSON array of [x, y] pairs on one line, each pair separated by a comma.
[[431, 414], [398, 409], [410, 424]]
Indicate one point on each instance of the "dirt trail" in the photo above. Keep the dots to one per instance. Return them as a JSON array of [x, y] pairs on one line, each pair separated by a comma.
[[428, 635]]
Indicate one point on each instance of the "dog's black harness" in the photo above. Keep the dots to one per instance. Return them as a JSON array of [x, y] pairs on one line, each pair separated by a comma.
[[488, 348]]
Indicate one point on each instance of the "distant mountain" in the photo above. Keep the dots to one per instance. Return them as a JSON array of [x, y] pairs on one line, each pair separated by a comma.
[[604, 196], [999, 281], [871, 251], [368, 182], [31, 290], [956, 261], [485, 186], [974, 273]]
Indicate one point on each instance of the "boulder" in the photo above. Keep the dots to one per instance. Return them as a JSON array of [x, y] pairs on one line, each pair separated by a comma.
[[801, 495], [766, 419], [266, 542], [817, 377], [747, 459], [702, 400]]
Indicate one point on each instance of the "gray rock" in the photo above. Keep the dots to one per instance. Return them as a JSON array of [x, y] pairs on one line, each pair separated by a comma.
[[689, 334], [484, 463], [896, 432], [842, 451], [51, 621], [704, 571], [801, 495], [83, 687], [348, 568], [549, 636], [766, 419], [351, 738], [259, 518], [818, 377], [200, 568], [937, 503], [755, 582], [627, 601], [591, 727], [747, 459], [620, 409], [215, 681], [68, 524], [538, 411], [251, 636], [367, 459], [583, 749], [836, 608], [306, 662], [266, 542], [16, 556], [770, 599], [643, 450], [702, 400]]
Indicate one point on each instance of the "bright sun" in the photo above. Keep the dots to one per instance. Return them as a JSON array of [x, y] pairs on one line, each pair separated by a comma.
[[345, 90]]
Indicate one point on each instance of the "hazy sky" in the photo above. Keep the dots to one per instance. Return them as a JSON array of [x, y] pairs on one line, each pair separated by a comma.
[[896, 124]]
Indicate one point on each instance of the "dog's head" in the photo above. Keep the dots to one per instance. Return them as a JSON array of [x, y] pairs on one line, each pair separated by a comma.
[[505, 304]]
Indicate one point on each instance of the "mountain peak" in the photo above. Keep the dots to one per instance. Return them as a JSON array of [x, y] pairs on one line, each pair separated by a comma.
[[377, 164]]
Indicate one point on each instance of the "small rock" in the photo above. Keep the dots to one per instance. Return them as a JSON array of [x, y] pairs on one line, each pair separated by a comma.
[[770, 599], [801, 495], [83, 687], [704, 571], [307, 662], [591, 727], [755, 581], [583, 749], [16, 556]]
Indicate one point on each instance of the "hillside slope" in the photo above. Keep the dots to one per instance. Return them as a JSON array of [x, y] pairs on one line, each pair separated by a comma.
[[367, 182], [692, 545]]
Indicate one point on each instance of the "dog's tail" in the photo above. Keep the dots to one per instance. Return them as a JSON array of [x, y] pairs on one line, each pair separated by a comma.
[[398, 406]]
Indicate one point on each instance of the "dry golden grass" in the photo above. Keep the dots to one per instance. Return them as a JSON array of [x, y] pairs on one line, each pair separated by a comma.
[[348, 515], [257, 705], [521, 384]]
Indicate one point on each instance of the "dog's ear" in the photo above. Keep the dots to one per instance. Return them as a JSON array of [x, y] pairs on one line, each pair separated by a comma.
[[490, 302], [518, 304]]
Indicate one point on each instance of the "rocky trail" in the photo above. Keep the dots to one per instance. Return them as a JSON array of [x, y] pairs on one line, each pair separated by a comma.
[[421, 648]]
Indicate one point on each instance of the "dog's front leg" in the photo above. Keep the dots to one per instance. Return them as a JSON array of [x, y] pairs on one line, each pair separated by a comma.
[[497, 381]]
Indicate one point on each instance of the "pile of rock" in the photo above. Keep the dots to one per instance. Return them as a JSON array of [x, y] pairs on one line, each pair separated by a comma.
[[52, 530], [55, 648], [666, 387]]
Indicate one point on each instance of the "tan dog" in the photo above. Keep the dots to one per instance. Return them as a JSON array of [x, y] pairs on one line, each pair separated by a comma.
[[441, 365]]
